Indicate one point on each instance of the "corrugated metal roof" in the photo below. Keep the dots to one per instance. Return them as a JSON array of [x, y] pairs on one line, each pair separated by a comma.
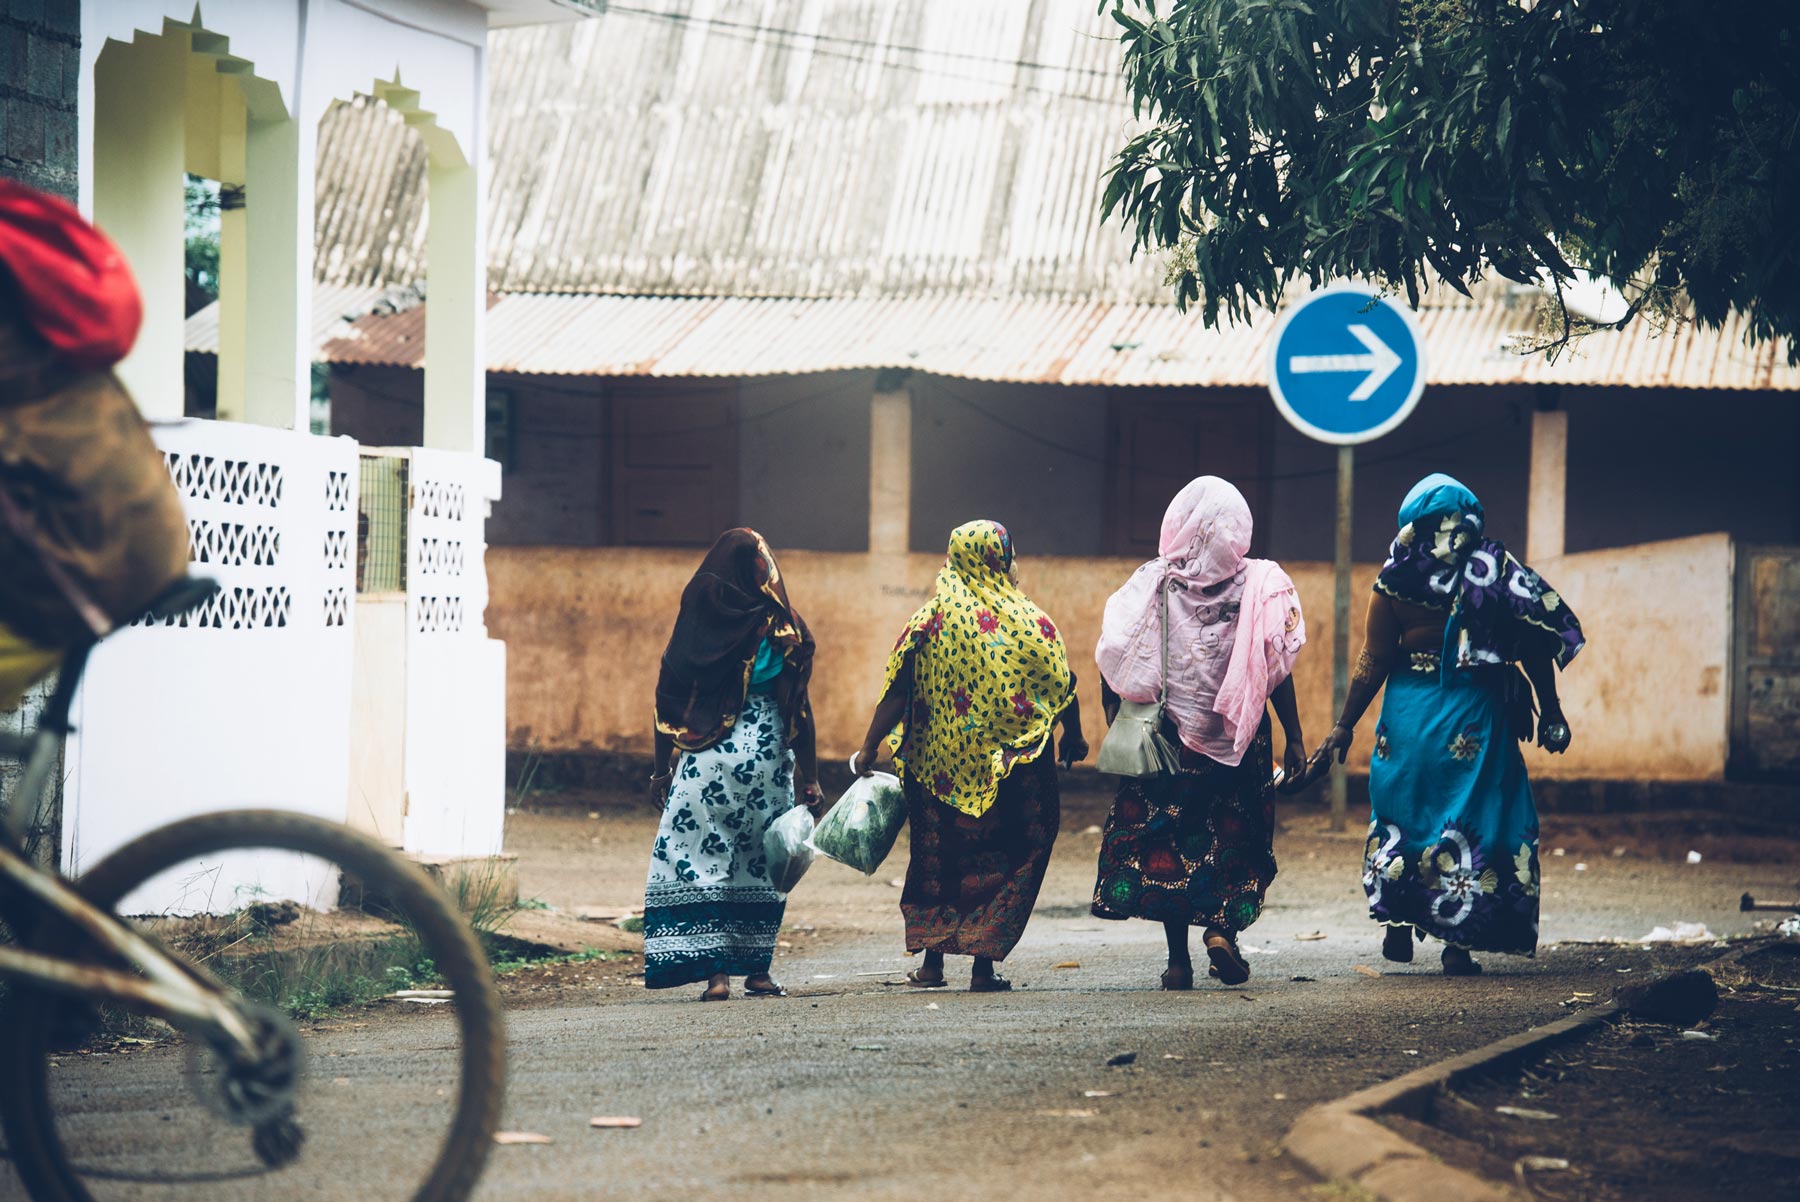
[[880, 148], [333, 305], [1025, 341]]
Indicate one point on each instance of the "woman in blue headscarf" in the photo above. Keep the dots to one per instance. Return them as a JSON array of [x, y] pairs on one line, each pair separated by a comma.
[[1452, 849]]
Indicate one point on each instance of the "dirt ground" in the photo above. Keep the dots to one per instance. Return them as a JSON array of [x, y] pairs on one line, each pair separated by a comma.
[[1641, 1112], [859, 1089]]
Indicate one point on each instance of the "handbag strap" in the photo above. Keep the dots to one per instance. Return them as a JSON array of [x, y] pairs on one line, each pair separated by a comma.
[[1162, 681]]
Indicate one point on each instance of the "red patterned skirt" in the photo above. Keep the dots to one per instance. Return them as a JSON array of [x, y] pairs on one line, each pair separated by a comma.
[[1195, 847], [973, 881]]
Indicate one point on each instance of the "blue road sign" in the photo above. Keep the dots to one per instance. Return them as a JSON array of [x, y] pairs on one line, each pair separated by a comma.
[[1346, 366]]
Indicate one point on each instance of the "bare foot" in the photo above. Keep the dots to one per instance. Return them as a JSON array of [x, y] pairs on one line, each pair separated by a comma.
[[718, 988]]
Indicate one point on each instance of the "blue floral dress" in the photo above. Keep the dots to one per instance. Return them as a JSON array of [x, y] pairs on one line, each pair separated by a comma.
[[1453, 841], [709, 906]]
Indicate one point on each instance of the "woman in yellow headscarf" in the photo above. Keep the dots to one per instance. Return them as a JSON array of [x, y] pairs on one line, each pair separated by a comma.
[[976, 685]]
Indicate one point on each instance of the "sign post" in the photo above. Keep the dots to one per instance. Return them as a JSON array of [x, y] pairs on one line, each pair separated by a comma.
[[1345, 366]]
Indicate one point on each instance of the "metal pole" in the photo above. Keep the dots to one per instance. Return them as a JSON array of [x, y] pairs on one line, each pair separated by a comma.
[[1340, 626]]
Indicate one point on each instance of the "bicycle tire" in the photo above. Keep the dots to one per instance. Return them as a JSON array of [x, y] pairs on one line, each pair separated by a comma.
[[26, 1109]]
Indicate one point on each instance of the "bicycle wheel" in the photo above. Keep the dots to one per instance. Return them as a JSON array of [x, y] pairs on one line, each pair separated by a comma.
[[393, 1102]]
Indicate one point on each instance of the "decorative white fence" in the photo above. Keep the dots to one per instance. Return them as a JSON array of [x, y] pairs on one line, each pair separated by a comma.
[[455, 675], [244, 702]]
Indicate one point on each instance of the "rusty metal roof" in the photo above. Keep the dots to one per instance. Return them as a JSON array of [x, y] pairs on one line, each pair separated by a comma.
[[791, 148], [1022, 341]]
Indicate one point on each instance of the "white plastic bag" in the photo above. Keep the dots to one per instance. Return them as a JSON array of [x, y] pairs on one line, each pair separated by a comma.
[[787, 844], [861, 828]]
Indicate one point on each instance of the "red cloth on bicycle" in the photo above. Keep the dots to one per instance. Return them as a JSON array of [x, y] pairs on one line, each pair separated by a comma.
[[74, 286]]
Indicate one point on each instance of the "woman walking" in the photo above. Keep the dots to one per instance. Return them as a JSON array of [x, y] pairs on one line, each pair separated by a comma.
[[1452, 849], [732, 722], [1196, 847], [976, 685]]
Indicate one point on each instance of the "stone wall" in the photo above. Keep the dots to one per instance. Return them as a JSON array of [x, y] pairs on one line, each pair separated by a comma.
[[40, 72]]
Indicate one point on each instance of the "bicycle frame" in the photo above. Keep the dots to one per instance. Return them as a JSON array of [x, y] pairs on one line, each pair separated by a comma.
[[178, 992]]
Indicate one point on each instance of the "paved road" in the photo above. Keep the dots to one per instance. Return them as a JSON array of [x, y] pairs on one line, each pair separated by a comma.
[[858, 1090]]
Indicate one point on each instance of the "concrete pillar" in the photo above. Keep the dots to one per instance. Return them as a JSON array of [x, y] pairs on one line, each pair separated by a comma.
[[278, 158], [455, 310], [890, 467], [231, 171], [140, 135], [1549, 485]]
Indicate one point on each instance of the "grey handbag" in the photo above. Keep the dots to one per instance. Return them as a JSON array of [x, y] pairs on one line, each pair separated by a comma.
[[1135, 746]]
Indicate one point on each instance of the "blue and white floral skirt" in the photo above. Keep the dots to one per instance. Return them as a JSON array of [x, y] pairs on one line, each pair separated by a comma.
[[1453, 841], [709, 906]]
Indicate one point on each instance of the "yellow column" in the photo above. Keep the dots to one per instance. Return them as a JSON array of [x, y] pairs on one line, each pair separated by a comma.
[[278, 159], [1548, 501], [455, 310], [890, 466], [140, 130], [234, 249]]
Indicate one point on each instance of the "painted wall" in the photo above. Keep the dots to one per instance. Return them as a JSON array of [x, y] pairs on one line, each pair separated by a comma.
[[1034, 457], [803, 459], [1482, 436], [1031, 458], [584, 631], [1663, 463]]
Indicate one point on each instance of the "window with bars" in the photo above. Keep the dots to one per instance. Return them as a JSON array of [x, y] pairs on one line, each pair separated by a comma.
[[381, 523]]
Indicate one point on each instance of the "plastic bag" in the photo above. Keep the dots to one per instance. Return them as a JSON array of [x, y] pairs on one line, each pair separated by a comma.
[[787, 844], [861, 828]]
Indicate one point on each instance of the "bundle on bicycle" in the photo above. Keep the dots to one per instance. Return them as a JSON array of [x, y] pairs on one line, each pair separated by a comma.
[[211, 946]]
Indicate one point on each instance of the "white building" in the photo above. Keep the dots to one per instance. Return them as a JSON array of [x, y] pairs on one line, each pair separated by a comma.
[[290, 689]]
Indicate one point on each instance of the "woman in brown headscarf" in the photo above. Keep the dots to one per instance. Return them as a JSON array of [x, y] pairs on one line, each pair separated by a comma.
[[732, 725]]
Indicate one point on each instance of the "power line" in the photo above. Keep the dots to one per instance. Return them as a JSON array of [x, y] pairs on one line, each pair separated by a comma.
[[966, 55], [754, 35]]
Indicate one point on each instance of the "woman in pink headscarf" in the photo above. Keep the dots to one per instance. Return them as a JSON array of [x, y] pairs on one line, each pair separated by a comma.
[[1195, 847]]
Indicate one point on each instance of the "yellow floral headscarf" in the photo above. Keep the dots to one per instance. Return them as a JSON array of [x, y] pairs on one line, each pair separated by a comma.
[[990, 675]]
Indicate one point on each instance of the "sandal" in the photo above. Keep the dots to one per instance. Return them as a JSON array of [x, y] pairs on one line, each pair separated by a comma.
[[914, 979], [989, 984], [707, 994], [772, 989], [1178, 977], [1227, 961], [1397, 945], [1458, 964]]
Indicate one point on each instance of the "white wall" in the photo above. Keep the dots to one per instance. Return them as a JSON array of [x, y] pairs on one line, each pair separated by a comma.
[[245, 704], [455, 675]]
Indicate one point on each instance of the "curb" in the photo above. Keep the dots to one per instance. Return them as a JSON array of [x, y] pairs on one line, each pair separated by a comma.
[[1341, 1141]]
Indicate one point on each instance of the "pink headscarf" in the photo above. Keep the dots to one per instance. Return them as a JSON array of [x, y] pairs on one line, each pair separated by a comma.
[[1216, 698]]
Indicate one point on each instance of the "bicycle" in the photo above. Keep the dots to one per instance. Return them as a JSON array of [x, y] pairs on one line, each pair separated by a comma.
[[78, 968]]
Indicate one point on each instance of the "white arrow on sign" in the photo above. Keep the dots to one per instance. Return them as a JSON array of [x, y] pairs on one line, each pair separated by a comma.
[[1379, 363]]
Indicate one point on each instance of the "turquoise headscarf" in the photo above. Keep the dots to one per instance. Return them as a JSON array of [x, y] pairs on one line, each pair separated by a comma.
[[1499, 610], [1438, 494]]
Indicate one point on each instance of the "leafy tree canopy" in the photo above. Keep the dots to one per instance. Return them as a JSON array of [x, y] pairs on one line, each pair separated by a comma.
[[1652, 142]]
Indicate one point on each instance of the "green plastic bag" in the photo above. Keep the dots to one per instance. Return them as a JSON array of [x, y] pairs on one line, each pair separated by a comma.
[[861, 828]]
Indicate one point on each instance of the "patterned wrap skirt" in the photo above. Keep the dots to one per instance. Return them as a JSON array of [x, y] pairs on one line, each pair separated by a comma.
[[709, 906], [1196, 847], [1453, 840], [972, 882]]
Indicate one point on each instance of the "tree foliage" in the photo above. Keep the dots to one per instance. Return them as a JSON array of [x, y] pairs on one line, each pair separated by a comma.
[[202, 231], [1652, 142]]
